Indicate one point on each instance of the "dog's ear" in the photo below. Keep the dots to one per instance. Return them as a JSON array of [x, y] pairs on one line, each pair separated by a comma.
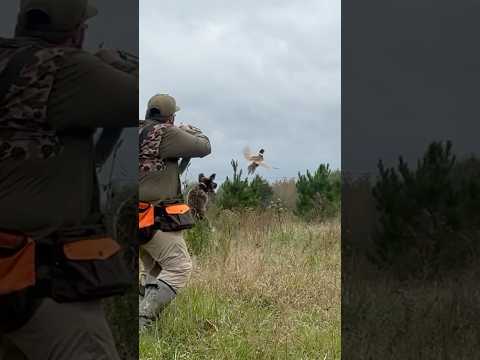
[[212, 177], [200, 177]]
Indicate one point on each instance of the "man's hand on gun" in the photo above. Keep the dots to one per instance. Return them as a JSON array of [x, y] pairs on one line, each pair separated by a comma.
[[119, 59], [189, 128]]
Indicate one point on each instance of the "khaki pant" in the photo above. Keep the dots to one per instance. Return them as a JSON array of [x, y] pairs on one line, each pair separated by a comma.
[[69, 331], [166, 258]]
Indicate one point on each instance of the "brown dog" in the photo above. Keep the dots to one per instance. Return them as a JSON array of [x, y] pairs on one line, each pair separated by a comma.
[[198, 197]]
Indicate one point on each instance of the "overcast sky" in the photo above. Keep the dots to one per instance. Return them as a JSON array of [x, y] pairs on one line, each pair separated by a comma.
[[263, 74], [411, 72]]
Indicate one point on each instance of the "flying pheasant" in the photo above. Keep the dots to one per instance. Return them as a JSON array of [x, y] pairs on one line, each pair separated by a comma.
[[255, 160]]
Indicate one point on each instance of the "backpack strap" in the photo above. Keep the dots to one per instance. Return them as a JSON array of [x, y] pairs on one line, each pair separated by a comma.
[[14, 67]]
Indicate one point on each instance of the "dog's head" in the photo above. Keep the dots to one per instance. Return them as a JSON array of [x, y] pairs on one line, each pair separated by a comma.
[[207, 184]]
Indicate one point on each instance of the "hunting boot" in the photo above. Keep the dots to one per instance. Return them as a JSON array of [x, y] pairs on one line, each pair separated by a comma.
[[158, 295]]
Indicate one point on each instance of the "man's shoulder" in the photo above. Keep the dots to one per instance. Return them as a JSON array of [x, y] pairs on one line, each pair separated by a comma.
[[168, 132], [174, 133], [82, 58], [72, 56], [155, 126]]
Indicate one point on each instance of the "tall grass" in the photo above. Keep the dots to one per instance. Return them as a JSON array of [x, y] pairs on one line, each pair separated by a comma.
[[384, 317], [285, 190], [265, 286]]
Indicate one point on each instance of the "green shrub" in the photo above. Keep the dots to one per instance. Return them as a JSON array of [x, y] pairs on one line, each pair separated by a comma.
[[427, 216], [261, 191], [238, 193], [318, 194]]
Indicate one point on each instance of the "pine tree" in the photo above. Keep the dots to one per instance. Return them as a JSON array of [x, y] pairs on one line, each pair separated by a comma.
[[424, 213], [318, 194]]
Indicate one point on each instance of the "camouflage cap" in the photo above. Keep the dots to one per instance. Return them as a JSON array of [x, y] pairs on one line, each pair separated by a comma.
[[164, 103], [64, 15]]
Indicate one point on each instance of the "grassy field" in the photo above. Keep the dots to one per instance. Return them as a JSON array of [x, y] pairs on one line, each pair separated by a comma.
[[385, 318], [265, 286]]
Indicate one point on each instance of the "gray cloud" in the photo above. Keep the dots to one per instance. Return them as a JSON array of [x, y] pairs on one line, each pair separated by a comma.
[[410, 76], [263, 74]]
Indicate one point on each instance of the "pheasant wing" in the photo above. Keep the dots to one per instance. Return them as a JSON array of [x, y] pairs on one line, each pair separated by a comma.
[[264, 164], [247, 153]]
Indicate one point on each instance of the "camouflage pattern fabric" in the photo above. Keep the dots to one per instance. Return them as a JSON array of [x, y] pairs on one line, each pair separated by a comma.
[[149, 154], [24, 130]]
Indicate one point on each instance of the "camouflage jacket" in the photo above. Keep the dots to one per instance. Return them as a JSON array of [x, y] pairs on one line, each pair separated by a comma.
[[27, 74], [177, 142], [150, 137]]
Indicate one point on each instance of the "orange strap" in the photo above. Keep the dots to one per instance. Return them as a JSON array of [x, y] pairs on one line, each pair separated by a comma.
[[146, 215], [177, 209], [17, 272], [91, 249]]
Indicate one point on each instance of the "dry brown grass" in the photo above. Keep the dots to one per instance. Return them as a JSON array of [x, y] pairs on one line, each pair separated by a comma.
[[301, 270], [286, 191], [269, 287], [385, 318]]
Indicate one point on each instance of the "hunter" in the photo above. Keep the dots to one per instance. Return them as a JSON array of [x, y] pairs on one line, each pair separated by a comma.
[[54, 96], [165, 150]]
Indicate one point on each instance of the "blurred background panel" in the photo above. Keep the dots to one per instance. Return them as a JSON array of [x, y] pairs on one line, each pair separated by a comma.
[[410, 229]]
